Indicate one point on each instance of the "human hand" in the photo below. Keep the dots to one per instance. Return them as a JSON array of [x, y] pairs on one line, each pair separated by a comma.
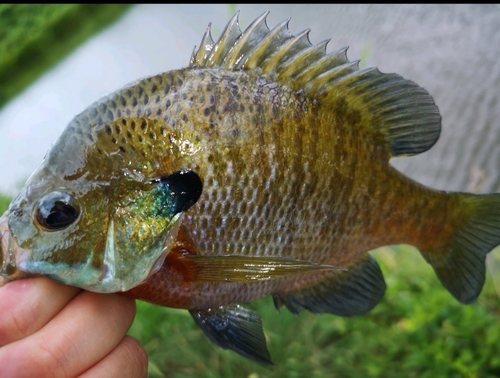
[[51, 330]]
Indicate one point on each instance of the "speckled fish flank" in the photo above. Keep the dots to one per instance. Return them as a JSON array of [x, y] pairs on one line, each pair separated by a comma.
[[260, 169]]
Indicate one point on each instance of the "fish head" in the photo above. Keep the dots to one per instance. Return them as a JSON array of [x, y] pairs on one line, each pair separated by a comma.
[[89, 218]]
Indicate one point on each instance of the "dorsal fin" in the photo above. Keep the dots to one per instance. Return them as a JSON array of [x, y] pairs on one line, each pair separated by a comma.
[[251, 37], [199, 57], [402, 115]]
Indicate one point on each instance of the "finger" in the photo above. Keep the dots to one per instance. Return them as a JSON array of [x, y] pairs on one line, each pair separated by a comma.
[[29, 304], [127, 360], [85, 331]]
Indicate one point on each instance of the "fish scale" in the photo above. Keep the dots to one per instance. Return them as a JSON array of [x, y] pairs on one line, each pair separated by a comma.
[[260, 169], [204, 223], [218, 168]]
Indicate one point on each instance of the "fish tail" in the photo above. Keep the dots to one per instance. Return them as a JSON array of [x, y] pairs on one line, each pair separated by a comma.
[[459, 260]]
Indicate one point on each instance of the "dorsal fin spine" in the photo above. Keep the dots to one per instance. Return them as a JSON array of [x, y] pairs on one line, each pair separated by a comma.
[[331, 60], [335, 74], [226, 40], [403, 115], [207, 43], [252, 35], [298, 63], [291, 48], [260, 52]]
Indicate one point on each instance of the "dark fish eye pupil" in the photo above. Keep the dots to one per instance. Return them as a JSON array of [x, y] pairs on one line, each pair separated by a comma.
[[56, 211], [60, 215]]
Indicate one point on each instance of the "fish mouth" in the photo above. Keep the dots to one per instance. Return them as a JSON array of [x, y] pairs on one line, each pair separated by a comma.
[[10, 252]]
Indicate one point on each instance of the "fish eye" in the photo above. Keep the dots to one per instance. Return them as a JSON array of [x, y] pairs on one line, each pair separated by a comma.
[[56, 211]]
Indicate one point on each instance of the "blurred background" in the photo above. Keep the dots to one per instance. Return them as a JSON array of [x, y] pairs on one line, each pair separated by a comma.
[[55, 60]]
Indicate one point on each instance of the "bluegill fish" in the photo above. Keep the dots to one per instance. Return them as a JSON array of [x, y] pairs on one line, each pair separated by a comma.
[[260, 169]]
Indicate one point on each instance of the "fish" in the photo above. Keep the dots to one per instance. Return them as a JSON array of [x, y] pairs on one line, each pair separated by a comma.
[[260, 169]]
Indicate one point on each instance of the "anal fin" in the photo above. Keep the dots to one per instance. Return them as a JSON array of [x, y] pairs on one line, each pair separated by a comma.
[[246, 269], [345, 293], [236, 328]]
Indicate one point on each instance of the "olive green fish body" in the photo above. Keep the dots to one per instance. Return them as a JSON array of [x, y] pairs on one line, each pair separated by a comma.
[[282, 177]]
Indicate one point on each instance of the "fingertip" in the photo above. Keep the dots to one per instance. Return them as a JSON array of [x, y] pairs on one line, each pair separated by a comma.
[[128, 359], [127, 304], [135, 352], [89, 327], [117, 306], [29, 304]]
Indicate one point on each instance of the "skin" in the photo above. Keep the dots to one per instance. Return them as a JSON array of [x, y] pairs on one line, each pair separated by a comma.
[[51, 330]]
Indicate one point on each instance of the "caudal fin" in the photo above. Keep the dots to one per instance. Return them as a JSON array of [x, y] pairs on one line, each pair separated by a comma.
[[460, 263]]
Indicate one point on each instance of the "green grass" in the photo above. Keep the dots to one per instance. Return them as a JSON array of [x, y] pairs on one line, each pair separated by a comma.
[[418, 330], [4, 203], [33, 37]]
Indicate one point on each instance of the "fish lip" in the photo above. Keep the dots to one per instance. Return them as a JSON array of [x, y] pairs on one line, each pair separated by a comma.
[[10, 253]]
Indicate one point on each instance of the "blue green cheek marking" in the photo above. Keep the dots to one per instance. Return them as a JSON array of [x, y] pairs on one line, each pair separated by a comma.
[[164, 204], [176, 193]]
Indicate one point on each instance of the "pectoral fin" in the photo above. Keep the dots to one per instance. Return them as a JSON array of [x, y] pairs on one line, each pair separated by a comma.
[[236, 328], [346, 293], [243, 269]]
